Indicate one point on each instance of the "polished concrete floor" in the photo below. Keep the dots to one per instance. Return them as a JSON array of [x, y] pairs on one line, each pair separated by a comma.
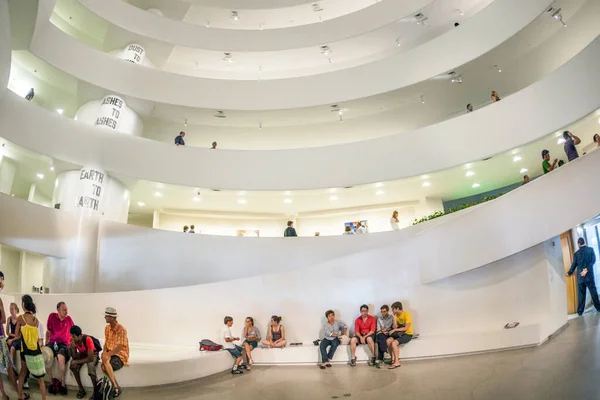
[[566, 367]]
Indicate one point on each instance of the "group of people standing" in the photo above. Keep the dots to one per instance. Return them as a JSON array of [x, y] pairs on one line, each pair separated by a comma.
[[62, 340], [388, 331]]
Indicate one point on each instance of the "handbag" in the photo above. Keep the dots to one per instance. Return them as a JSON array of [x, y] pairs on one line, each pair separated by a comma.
[[36, 365]]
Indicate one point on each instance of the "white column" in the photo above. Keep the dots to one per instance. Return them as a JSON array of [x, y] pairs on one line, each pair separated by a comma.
[[156, 219], [8, 170]]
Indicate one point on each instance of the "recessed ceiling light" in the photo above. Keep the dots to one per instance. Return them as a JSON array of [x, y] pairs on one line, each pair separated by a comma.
[[287, 201], [560, 141], [235, 16], [379, 192], [325, 50], [425, 177], [333, 198], [158, 194], [241, 193], [523, 170], [51, 168], [332, 190], [476, 185], [470, 173], [287, 193], [498, 68], [242, 201], [196, 198], [426, 184], [60, 111], [468, 166], [517, 158], [40, 176], [379, 184], [599, 120], [141, 203], [228, 57]]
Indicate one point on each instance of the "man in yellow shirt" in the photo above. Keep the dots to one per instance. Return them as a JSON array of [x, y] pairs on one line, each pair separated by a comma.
[[401, 333]]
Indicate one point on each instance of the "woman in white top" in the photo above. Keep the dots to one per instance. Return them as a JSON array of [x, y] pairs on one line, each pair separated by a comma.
[[394, 221]]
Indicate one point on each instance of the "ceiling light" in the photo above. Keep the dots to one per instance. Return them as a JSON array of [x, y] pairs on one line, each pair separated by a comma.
[[422, 99], [242, 201], [517, 158], [325, 50], [379, 184], [158, 194], [235, 16], [332, 190], [476, 185], [333, 198], [425, 177], [455, 78], [40, 176], [460, 12], [287, 193], [260, 26], [196, 198], [228, 57], [557, 15], [468, 166], [241, 193], [470, 173], [59, 111], [560, 140], [51, 168], [208, 24], [523, 170], [185, 122], [287, 201], [141, 203], [426, 184], [379, 192], [421, 18], [316, 7], [498, 68], [398, 42]]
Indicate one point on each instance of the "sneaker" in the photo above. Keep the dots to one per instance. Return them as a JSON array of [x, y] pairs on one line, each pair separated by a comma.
[[242, 366], [26, 385], [353, 362], [62, 389], [237, 371], [378, 363], [372, 361]]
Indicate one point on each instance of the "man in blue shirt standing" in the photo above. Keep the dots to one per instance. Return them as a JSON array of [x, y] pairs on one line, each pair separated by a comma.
[[179, 139], [584, 260]]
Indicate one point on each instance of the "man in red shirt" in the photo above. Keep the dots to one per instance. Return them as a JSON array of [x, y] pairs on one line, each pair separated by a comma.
[[83, 352], [58, 339], [364, 331]]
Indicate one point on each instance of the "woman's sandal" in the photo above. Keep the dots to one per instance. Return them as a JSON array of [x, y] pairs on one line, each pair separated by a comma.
[[117, 392], [81, 394]]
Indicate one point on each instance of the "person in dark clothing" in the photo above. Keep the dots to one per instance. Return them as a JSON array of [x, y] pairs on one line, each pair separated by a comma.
[[179, 139], [290, 231], [584, 260], [570, 142], [30, 95]]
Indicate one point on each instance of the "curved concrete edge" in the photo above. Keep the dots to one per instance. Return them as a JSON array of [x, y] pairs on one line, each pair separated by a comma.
[[518, 119], [452, 49], [141, 22]]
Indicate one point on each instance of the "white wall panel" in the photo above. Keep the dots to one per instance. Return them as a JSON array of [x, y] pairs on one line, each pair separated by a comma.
[[518, 119], [5, 46], [450, 50]]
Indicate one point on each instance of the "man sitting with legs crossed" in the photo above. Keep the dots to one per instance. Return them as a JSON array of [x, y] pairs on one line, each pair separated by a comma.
[[364, 331], [58, 339]]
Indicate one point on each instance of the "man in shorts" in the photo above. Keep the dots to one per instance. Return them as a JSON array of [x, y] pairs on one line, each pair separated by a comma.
[[83, 352], [227, 339], [115, 354], [58, 339], [364, 332], [401, 333]]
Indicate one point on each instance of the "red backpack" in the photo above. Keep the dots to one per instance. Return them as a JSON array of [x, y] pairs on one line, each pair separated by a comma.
[[209, 345]]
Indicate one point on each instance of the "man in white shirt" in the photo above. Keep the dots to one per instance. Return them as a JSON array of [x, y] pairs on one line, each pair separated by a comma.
[[360, 229], [227, 339]]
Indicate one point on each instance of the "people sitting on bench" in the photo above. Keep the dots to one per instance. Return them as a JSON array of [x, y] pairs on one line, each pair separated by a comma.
[[385, 323], [401, 333], [275, 334], [115, 354], [364, 331], [83, 352], [228, 342], [333, 329], [251, 336]]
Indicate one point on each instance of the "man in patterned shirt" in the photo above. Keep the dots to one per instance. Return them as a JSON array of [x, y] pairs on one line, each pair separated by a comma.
[[115, 354]]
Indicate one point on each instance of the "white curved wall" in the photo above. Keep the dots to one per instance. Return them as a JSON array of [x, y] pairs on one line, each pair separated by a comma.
[[518, 119], [452, 49], [138, 21]]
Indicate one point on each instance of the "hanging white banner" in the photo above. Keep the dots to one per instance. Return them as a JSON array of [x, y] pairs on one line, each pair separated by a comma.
[[110, 111]]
